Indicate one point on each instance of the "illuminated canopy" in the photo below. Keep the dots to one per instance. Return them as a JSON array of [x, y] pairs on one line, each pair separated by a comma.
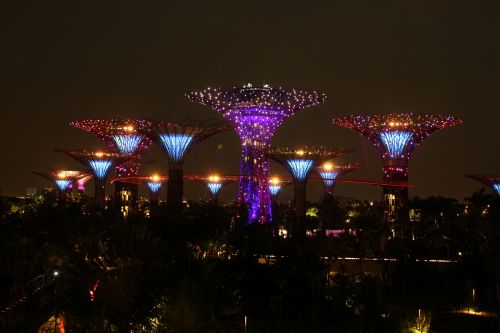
[[127, 144], [154, 186], [300, 168], [100, 168], [176, 144]]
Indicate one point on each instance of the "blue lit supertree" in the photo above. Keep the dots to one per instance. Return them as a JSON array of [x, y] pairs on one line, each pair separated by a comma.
[[256, 112], [63, 179], [124, 137], [214, 183], [396, 136], [300, 162], [492, 181], [176, 138], [100, 164], [329, 172]]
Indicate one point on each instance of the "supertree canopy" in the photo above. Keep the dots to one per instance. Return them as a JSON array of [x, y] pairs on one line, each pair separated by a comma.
[[396, 136], [492, 181], [100, 165], [256, 113], [124, 136], [63, 179], [176, 138], [300, 162]]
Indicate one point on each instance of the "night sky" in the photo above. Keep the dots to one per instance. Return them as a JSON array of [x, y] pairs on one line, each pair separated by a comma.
[[65, 60]]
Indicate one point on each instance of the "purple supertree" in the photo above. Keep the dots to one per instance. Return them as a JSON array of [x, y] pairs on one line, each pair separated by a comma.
[[63, 179], [300, 162], [492, 181], [176, 139], [100, 165], [124, 137], [256, 113], [396, 136]]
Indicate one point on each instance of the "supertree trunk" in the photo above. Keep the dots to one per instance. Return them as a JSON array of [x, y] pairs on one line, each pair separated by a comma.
[[99, 196], [395, 198], [328, 210], [300, 208], [254, 187], [175, 188]]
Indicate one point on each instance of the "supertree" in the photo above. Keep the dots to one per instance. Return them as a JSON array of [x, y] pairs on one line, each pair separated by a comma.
[[396, 136], [275, 186], [492, 181], [214, 183], [63, 179], [329, 172], [256, 113], [300, 162], [125, 137], [176, 138], [100, 165]]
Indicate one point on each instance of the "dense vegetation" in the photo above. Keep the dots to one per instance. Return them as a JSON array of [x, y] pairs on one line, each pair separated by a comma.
[[206, 272]]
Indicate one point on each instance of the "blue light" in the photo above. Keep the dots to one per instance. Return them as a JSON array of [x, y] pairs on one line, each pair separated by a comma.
[[300, 168], [395, 142], [274, 189], [214, 187], [176, 144], [328, 177], [127, 144], [100, 168], [496, 187], [154, 186], [62, 184]]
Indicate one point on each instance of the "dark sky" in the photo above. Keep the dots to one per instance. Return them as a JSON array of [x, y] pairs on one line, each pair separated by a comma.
[[63, 60]]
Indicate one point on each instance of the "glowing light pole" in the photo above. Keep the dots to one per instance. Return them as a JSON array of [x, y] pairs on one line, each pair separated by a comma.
[[256, 112], [396, 136]]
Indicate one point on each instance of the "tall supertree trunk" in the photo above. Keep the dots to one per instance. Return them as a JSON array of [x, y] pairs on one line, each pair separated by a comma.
[[175, 189]]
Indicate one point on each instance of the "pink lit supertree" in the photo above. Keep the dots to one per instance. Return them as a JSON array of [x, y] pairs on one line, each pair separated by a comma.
[[492, 181], [396, 136], [124, 137], [256, 112], [63, 179], [100, 165]]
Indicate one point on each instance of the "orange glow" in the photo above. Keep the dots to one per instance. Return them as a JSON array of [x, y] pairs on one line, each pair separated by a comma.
[[99, 154], [61, 325], [129, 128], [61, 175], [155, 178], [327, 166], [274, 181], [213, 178], [300, 152]]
